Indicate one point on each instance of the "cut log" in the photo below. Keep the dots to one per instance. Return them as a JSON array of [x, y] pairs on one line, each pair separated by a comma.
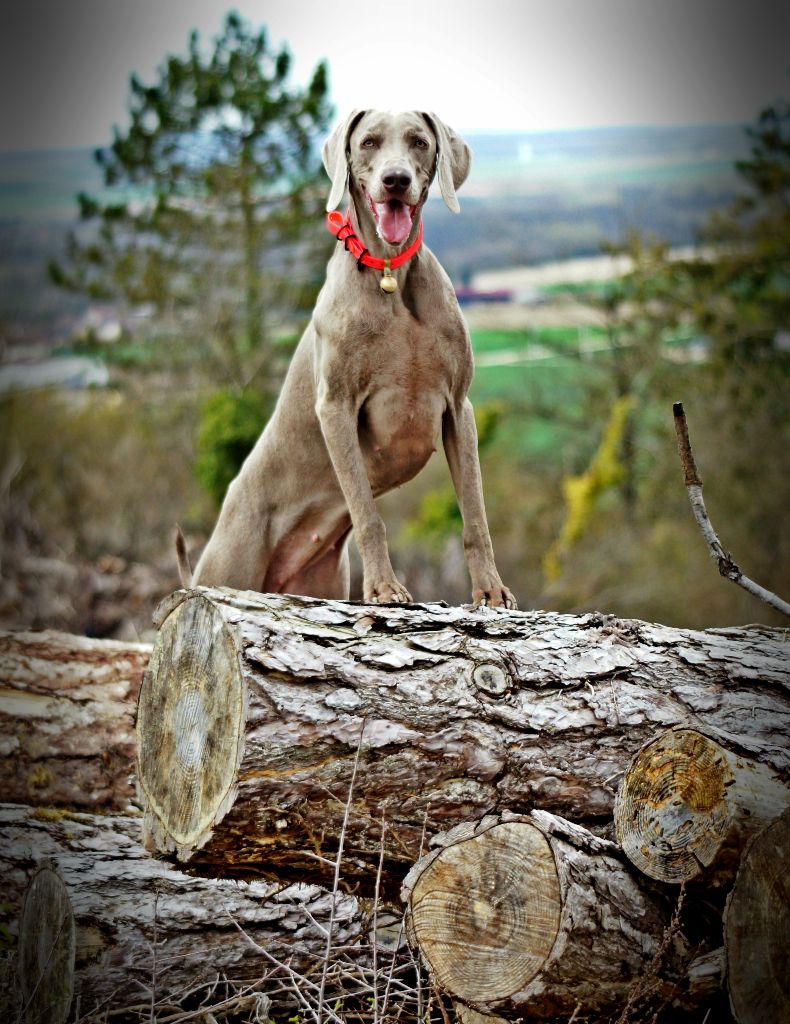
[[757, 929], [687, 807], [532, 916], [46, 949], [254, 706], [94, 911], [67, 707]]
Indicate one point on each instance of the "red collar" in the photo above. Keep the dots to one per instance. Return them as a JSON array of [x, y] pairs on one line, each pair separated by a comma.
[[341, 228]]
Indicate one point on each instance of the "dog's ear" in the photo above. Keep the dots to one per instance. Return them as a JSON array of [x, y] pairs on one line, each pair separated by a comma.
[[453, 160], [335, 157]]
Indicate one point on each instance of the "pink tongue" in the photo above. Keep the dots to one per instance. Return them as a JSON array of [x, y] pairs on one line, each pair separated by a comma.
[[394, 224]]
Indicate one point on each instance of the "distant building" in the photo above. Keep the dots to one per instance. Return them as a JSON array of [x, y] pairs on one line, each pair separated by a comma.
[[466, 296]]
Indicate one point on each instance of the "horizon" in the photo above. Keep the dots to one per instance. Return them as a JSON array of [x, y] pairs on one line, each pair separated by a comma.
[[39, 185], [494, 133]]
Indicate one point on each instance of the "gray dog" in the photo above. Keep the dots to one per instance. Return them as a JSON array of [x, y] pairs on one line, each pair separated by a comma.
[[381, 371]]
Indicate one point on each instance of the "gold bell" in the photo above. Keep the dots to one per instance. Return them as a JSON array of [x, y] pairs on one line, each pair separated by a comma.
[[388, 283]]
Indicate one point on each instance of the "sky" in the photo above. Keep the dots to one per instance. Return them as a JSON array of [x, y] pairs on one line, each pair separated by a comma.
[[490, 66]]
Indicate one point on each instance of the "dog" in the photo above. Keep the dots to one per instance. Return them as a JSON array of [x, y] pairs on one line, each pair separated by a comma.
[[380, 373]]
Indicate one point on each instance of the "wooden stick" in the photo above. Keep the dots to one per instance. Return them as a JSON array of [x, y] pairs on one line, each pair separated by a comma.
[[693, 481]]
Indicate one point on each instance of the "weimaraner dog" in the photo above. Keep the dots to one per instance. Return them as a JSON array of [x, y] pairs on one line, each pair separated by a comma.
[[382, 369]]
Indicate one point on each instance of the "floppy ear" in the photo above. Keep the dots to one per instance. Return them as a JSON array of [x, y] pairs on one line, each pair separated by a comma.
[[335, 157], [453, 160]]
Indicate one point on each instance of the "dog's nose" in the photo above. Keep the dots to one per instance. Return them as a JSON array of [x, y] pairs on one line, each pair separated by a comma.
[[396, 180]]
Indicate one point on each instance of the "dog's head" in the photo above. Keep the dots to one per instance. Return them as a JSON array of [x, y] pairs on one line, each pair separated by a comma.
[[390, 160]]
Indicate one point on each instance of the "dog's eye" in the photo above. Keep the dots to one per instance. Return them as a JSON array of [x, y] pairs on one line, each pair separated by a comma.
[[369, 142], [420, 143]]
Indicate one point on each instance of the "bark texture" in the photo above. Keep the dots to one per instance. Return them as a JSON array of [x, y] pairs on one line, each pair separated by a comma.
[[533, 916], [67, 719], [144, 933], [456, 714], [687, 807], [757, 929]]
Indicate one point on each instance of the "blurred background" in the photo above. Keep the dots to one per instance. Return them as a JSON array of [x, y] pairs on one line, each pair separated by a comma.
[[623, 243]]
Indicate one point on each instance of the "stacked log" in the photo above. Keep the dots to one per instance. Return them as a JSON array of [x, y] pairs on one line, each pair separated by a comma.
[[67, 707], [534, 917], [275, 732], [260, 704], [99, 917], [687, 807], [757, 929]]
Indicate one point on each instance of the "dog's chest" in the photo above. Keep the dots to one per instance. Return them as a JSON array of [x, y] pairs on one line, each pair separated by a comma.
[[412, 376]]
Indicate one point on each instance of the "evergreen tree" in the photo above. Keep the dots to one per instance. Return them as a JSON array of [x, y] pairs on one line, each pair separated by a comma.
[[207, 196]]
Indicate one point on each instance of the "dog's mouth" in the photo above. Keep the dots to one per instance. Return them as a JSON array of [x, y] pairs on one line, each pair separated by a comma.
[[394, 219]]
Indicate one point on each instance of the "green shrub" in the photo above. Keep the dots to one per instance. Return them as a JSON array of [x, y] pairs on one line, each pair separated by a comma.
[[230, 424]]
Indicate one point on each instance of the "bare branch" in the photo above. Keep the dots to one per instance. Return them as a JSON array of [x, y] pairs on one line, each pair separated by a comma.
[[725, 562], [336, 883]]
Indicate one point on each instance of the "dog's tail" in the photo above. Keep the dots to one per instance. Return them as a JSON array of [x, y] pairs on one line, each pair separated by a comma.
[[184, 568]]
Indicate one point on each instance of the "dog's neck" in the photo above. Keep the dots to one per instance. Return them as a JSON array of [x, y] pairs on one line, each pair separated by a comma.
[[364, 226]]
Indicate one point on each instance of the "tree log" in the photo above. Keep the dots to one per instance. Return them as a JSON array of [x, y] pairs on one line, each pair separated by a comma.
[[534, 917], [254, 706], [67, 719], [46, 949], [687, 806], [757, 929], [128, 930]]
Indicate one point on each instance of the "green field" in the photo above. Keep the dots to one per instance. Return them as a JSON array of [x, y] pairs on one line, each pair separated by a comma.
[[543, 395]]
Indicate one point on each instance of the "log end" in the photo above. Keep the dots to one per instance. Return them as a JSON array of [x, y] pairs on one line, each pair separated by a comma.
[[672, 814], [47, 947], [190, 727], [757, 929], [485, 911]]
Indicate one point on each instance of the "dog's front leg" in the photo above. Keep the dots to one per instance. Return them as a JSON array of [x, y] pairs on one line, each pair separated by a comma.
[[338, 416], [460, 445]]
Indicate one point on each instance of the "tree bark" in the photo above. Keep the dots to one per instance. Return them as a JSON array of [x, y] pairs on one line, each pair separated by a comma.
[[533, 917], [757, 929], [67, 719], [143, 934], [254, 706], [687, 807]]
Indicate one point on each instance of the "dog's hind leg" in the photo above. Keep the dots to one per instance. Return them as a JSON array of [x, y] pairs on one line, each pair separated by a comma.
[[184, 568], [329, 577]]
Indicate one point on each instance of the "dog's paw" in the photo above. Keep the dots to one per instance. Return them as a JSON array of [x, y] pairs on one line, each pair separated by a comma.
[[389, 592], [494, 597]]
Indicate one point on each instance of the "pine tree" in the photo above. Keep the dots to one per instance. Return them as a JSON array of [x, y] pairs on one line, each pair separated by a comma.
[[208, 192]]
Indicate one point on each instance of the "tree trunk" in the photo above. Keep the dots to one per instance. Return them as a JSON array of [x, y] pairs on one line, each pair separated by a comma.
[[757, 929], [94, 912], [254, 708], [67, 719], [533, 917], [687, 806]]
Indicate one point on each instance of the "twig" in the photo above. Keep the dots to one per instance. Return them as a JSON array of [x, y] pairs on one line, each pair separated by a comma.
[[646, 983], [153, 957], [374, 941], [440, 1004], [336, 881], [693, 481], [391, 974], [290, 973]]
